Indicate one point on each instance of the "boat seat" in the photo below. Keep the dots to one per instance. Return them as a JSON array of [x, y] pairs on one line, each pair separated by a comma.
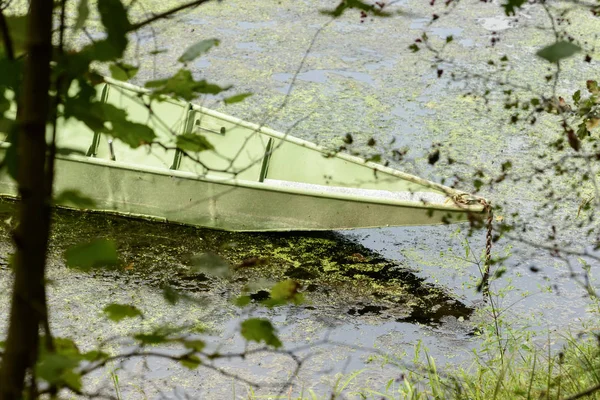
[[238, 150]]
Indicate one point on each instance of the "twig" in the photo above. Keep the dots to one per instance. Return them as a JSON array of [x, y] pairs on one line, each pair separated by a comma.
[[585, 393], [166, 14]]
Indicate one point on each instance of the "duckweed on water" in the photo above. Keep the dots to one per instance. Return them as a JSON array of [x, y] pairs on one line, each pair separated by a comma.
[[336, 274]]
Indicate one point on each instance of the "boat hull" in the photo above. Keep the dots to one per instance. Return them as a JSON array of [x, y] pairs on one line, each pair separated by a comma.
[[233, 205]]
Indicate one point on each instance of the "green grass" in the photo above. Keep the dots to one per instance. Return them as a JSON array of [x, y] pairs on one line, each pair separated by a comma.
[[514, 365]]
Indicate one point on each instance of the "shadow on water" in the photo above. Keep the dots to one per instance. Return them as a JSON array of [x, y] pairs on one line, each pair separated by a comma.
[[338, 275]]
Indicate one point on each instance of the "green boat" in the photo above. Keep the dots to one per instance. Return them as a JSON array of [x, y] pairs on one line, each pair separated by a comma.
[[255, 179]]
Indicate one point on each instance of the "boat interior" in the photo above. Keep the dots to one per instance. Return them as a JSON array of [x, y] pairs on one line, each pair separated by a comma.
[[242, 151]]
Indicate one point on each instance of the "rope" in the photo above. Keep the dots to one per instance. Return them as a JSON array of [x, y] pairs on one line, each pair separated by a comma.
[[485, 285]]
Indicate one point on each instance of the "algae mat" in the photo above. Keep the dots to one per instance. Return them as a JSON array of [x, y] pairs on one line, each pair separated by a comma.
[[352, 294]]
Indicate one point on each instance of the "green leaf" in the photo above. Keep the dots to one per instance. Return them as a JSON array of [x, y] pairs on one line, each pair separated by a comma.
[[72, 379], [100, 252], [171, 295], [582, 131], [558, 51], [196, 345], [122, 71], [592, 87], [197, 49], [190, 361], [511, 6], [284, 292], [74, 198], [17, 30], [193, 142], [183, 86], [211, 264], [83, 12], [57, 369], [345, 5], [132, 133], [577, 97], [10, 161], [242, 301], [158, 51], [65, 346], [152, 338], [118, 312], [237, 98], [113, 15], [260, 330], [94, 355], [414, 48], [90, 113]]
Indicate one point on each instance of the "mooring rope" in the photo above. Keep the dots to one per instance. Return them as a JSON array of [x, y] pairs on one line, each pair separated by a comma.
[[485, 284]]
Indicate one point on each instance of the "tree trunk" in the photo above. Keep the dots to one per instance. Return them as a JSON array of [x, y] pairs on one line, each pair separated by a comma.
[[28, 307]]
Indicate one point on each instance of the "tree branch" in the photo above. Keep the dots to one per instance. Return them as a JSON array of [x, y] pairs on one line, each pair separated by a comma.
[[166, 14]]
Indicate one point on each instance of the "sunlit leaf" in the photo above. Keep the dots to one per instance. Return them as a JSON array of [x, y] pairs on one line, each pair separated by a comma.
[[183, 86], [122, 71], [100, 252], [558, 51], [72, 379], [65, 346], [118, 312], [74, 198], [284, 292], [57, 369], [237, 98], [260, 330], [194, 143], [211, 264], [83, 12], [592, 87], [197, 49]]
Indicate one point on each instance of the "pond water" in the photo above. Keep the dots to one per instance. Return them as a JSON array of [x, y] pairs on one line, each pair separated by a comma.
[[384, 289]]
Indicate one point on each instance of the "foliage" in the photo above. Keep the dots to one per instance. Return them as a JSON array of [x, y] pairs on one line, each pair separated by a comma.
[[260, 330], [508, 365], [101, 252]]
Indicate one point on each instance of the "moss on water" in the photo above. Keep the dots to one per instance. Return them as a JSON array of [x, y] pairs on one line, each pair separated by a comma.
[[334, 271]]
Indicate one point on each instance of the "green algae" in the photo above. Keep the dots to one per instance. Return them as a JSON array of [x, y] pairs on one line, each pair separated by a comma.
[[329, 266]]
